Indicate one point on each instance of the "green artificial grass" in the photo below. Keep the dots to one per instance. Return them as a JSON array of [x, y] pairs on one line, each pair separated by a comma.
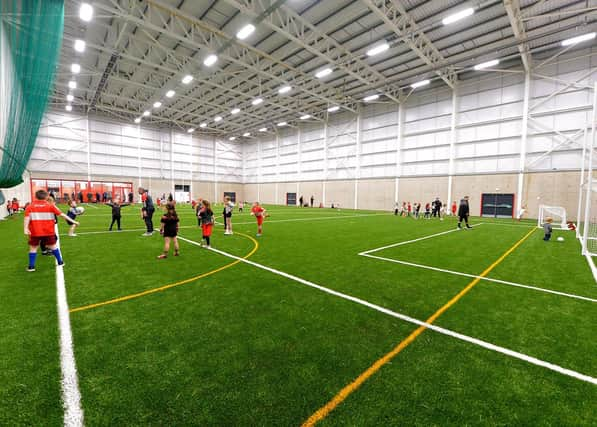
[[244, 346]]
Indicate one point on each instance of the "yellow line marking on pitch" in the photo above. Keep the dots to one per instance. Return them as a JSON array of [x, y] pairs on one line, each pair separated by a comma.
[[171, 285], [325, 410]]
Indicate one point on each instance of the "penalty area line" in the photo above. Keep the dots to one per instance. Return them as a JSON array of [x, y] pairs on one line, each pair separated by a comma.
[[475, 341], [489, 279]]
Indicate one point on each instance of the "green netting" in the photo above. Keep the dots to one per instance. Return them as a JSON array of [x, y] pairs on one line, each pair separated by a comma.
[[30, 41]]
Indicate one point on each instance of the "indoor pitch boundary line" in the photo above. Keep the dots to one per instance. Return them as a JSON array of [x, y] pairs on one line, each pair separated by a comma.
[[71, 395], [475, 341], [489, 279]]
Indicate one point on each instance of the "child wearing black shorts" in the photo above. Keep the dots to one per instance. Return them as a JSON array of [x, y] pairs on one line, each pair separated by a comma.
[[169, 229]]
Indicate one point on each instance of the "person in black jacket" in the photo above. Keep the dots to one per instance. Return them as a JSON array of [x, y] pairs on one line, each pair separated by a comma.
[[116, 205], [463, 213], [147, 210]]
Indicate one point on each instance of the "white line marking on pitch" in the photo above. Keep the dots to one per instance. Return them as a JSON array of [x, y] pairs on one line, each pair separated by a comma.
[[457, 273], [459, 336], [239, 223], [406, 242], [71, 396]]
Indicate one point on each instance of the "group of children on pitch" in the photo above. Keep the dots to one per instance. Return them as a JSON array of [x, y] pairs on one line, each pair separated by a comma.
[[432, 209]]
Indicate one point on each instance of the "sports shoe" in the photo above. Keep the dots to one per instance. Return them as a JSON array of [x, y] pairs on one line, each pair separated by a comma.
[[61, 264], [162, 256], [73, 235], [176, 254], [468, 226], [258, 235], [30, 269], [147, 234]]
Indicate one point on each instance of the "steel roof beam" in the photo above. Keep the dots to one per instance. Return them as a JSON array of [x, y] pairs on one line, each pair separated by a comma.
[[294, 27], [514, 15], [395, 16]]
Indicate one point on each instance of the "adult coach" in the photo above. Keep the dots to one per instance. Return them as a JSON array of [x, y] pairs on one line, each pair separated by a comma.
[[463, 213], [147, 210], [39, 226]]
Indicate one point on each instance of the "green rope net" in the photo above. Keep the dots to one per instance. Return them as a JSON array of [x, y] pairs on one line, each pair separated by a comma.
[[30, 41]]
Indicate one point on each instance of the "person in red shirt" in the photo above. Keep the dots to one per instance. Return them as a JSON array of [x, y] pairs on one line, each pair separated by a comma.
[[39, 227], [454, 208], [15, 205], [259, 214]]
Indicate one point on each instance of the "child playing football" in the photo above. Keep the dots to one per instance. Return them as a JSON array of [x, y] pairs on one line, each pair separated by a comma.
[[116, 205], [259, 214], [206, 220], [39, 226], [228, 206], [72, 214], [169, 229]]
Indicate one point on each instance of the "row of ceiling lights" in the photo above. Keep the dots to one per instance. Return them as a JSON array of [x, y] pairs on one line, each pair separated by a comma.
[[86, 14]]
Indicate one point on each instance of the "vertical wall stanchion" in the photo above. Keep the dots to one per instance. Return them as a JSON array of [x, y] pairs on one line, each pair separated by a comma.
[[357, 174], [139, 153], [190, 169], [259, 170], [88, 141], [523, 140], [325, 159], [172, 160], [589, 184], [399, 134], [298, 142], [581, 184], [453, 124], [215, 176], [277, 167]]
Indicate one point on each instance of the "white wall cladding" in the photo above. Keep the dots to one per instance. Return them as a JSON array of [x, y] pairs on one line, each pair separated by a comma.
[[123, 150], [487, 137]]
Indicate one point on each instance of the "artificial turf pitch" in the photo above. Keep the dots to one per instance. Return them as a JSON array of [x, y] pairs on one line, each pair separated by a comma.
[[244, 346]]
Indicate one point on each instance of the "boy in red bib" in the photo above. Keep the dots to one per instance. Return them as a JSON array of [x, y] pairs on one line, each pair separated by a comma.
[[39, 227], [259, 214]]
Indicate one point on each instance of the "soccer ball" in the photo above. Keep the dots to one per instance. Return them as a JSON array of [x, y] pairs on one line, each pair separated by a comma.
[[80, 210], [560, 239]]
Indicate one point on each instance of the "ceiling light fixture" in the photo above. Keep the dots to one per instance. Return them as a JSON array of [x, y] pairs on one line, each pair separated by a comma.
[[333, 109], [235, 111], [284, 89], [72, 84], [322, 73], [282, 124], [263, 130], [246, 134], [257, 101], [157, 104], [245, 31], [305, 116], [203, 125], [86, 12], [138, 120], [419, 84], [217, 119], [79, 45], [371, 98], [146, 113], [187, 79], [170, 94], [486, 64], [191, 130], [70, 98], [75, 68], [69, 108], [458, 16], [376, 50], [578, 39], [232, 138], [210, 60]]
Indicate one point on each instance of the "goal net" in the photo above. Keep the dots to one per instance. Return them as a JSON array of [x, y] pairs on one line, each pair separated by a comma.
[[557, 213]]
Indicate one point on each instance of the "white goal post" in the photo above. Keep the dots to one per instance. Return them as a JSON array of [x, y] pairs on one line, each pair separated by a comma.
[[557, 213]]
